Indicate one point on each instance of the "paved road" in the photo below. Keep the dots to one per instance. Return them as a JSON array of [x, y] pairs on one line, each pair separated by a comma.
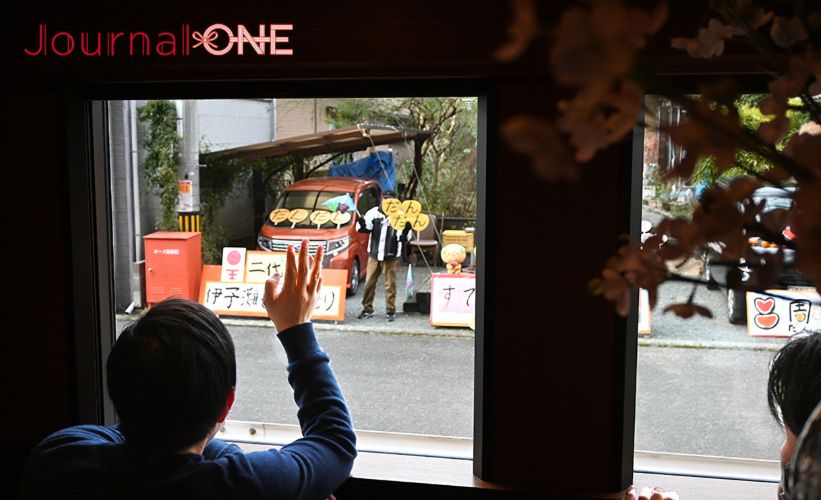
[[393, 383], [705, 401]]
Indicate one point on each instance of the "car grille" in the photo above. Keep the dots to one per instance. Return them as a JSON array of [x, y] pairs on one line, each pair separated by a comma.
[[282, 245]]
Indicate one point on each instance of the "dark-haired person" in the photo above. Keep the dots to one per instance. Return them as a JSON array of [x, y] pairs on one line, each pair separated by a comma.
[[171, 377], [804, 481], [793, 392], [384, 250]]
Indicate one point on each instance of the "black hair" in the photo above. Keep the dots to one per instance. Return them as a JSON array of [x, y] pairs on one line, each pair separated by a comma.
[[805, 477], [169, 375], [794, 386]]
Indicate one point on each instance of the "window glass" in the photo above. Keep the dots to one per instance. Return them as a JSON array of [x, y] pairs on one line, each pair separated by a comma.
[[702, 382], [412, 373]]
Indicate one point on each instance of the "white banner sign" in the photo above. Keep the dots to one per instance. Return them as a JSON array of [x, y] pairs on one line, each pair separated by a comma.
[[233, 264], [789, 313], [453, 300], [227, 298]]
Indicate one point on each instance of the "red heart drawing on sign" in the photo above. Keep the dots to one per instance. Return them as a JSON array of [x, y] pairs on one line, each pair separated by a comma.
[[766, 321], [764, 306]]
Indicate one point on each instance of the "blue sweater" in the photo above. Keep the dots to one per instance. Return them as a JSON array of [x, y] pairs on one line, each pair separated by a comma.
[[92, 461]]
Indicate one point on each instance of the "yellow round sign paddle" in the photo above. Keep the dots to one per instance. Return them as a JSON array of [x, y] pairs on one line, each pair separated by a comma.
[[297, 215], [411, 208], [391, 207], [399, 222], [320, 217], [279, 215], [340, 218], [419, 222]]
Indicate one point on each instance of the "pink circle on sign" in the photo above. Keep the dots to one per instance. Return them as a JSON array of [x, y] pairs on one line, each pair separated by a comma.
[[233, 257]]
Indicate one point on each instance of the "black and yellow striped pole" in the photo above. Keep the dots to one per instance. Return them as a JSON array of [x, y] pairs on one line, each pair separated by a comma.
[[190, 221]]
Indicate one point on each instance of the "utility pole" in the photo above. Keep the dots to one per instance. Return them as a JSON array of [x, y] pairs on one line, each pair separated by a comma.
[[189, 201]]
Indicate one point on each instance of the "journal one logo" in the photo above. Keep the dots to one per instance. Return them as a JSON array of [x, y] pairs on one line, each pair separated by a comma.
[[216, 40]]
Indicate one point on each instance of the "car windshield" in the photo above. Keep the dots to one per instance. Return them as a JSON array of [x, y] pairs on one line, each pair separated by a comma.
[[310, 201]]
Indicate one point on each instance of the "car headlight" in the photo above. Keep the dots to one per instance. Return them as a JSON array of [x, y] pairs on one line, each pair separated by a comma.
[[263, 242], [336, 246]]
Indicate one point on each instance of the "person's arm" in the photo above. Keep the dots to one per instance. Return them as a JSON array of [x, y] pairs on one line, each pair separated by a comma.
[[315, 465], [217, 448], [365, 224], [403, 235], [361, 225], [323, 415], [47, 463], [81, 435]]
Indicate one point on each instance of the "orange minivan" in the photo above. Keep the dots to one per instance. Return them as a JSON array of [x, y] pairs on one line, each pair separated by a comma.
[[345, 247]]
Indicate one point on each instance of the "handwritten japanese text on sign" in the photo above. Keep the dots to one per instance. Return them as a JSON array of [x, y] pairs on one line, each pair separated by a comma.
[[227, 298], [453, 299], [262, 265], [245, 298]]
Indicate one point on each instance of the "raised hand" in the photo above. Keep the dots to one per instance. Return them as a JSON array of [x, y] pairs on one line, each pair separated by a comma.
[[292, 305]]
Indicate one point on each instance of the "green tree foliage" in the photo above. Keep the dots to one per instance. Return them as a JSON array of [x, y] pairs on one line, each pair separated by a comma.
[[162, 155], [217, 181], [746, 162], [448, 182]]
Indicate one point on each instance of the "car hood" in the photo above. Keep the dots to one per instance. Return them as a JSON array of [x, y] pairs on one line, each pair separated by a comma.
[[301, 233]]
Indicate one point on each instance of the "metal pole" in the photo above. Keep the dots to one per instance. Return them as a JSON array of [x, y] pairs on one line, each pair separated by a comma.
[[190, 149], [135, 182]]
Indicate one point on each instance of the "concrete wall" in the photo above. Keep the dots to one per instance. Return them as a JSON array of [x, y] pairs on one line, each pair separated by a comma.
[[301, 116], [121, 192], [228, 123]]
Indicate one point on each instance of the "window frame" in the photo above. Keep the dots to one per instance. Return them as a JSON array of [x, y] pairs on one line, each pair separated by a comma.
[[85, 119], [689, 465], [86, 147]]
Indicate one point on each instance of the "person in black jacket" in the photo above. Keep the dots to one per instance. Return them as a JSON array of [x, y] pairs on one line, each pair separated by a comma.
[[384, 249]]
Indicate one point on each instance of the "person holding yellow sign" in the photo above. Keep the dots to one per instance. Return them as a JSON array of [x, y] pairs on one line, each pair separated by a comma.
[[384, 249]]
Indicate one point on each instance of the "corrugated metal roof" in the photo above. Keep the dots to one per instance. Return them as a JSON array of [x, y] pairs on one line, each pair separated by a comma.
[[341, 140]]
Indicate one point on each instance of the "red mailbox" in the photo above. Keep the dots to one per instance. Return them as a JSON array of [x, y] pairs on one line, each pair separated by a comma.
[[173, 265]]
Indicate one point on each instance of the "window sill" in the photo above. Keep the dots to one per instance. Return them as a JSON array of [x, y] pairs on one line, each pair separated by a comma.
[[394, 443], [445, 461], [387, 457], [403, 468], [676, 464]]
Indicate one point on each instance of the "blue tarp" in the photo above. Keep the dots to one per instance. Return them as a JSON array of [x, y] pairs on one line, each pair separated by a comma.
[[375, 166]]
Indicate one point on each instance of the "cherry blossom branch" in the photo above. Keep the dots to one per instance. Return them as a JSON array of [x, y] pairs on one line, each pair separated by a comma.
[[698, 281]]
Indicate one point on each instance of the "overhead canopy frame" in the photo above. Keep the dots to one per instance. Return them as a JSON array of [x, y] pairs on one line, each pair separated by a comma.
[[341, 140]]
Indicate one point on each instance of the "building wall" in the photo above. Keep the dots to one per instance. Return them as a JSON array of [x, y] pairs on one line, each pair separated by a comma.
[[301, 116], [228, 123], [119, 127]]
